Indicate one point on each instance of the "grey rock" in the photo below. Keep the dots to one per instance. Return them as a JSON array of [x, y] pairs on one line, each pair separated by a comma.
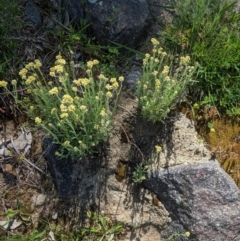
[[39, 200], [33, 14], [119, 21], [134, 76], [75, 10], [201, 198]]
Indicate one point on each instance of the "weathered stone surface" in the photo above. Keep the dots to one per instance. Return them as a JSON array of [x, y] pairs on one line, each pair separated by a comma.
[[119, 21], [75, 10], [201, 198], [33, 14]]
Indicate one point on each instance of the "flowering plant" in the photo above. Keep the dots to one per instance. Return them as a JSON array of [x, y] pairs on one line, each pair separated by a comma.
[[162, 84], [76, 112]]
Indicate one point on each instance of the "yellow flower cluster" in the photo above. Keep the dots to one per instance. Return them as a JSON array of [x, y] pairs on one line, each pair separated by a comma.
[[185, 60], [28, 69], [34, 65], [38, 120], [109, 94], [58, 68], [30, 79], [158, 148], [157, 83], [14, 82], [37, 64], [53, 91], [67, 99], [23, 73], [54, 111], [91, 63], [82, 81], [165, 70], [154, 41], [103, 77], [113, 85], [103, 112], [155, 72], [83, 108], [64, 115], [3, 83], [71, 108]]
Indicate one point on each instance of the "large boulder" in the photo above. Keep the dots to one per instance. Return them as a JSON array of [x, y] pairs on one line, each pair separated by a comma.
[[112, 20], [201, 198]]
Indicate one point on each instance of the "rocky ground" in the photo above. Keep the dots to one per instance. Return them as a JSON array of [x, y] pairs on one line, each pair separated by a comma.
[[102, 182]]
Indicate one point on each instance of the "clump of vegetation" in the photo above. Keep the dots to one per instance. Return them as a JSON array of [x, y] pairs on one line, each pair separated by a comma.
[[102, 228], [177, 235], [163, 83], [10, 23], [208, 31], [76, 112], [140, 172]]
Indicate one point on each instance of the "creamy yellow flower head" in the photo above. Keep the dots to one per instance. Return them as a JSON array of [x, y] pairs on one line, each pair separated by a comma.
[[154, 41], [84, 81], [109, 87], [160, 50], [14, 82], [29, 65], [67, 99], [102, 77], [66, 143], [109, 94], [37, 64], [115, 85], [103, 112], [63, 108], [64, 115], [90, 64], [121, 78], [165, 70], [185, 60], [52, 73], [3, 83], [113, 80], [74, 89], [77, 82], [53, 91], [54, 111], [157, 82], [95, 62], [158, 148], [71, 108], [38, 120], [155, 72], [58, 68], [23, 72], [30, 80], [167, 78], [60, 61], [83, 107], [59, 56], [88, 71], [75, 149], [147, 56]]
